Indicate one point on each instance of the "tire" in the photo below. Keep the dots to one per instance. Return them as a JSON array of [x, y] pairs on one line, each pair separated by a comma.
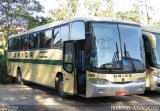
[[59, 88], [19, 77], [12, 80]]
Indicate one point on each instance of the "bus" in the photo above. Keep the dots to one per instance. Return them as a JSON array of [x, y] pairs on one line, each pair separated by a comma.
[[89, 57], [151, 37]]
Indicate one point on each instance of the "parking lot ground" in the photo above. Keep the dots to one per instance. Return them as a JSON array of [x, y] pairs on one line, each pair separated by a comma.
[[37, 98]]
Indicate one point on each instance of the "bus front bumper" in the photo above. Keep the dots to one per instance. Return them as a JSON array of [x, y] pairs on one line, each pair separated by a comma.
[[95, 90]]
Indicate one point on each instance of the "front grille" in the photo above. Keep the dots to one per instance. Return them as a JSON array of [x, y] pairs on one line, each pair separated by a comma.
[[122, 82]]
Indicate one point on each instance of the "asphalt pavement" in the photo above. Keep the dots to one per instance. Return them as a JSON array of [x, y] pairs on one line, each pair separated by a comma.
[[38, 98]]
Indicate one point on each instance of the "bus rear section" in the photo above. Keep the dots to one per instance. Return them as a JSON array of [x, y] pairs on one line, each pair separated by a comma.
[[151, 38], [109, 62]]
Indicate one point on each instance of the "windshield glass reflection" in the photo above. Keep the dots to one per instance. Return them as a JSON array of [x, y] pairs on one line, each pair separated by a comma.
[[104, 46], [132, 45], [107, 53]]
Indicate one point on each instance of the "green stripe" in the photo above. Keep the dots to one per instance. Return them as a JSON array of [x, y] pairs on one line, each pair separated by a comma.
[[36, 61]]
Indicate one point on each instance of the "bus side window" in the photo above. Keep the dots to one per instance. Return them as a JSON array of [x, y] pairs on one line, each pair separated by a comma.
[[10, 45], [35, 41], [64, 32], [48, 37], [22, 42], [60, 34], [42, 39], [19, 43], [56, 37], [14, 43], [77, 30], [31, 39], [25, 42]]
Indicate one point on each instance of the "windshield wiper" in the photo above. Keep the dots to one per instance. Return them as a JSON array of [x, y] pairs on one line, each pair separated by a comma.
[[127, 55], [115, 58], [116, 54]]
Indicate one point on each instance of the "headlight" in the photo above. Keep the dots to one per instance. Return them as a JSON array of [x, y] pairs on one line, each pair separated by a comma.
[[98, 81], [142, 79]]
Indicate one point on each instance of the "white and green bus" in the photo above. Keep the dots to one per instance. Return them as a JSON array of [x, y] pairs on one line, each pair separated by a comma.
[[91, 57], [151, 37]]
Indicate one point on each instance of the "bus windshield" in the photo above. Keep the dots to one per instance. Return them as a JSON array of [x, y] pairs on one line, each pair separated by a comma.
[[157, 50], [116, 48]]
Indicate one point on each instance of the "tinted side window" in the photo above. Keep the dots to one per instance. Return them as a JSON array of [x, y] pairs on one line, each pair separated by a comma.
[[56, 37], [48, 37], [10, 45], [25, 42], [42, 39], [16, 43], [45, 39], [77, 30], [33, 41], [60, 34], [64, 32]]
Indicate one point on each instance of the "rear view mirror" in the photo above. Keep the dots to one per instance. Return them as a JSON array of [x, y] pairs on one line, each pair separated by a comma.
[[88, 34], [147, 47]]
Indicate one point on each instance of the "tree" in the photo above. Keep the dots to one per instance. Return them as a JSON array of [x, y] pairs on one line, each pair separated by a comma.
[[132, 15], [91, 7], [65, 11], [99, 8], [147, 9], [37, 21], [129, 15], [157, 23], [18, 14], [143, 3], [15, 16]]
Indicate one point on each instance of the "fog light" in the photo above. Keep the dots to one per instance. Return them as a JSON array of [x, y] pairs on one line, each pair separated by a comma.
[[101, 91], [141, 88]]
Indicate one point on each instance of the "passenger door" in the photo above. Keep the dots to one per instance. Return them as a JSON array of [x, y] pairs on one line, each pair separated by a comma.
[[69, 67]]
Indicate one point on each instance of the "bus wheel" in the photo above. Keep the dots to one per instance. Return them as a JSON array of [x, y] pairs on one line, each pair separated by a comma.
[[59, 87], [19, 77]]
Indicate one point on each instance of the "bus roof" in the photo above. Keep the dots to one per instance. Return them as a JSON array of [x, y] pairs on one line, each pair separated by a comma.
[[57, 23], [151, 28]]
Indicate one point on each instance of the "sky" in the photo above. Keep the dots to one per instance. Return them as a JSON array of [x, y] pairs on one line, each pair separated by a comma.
[[119, 5]]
